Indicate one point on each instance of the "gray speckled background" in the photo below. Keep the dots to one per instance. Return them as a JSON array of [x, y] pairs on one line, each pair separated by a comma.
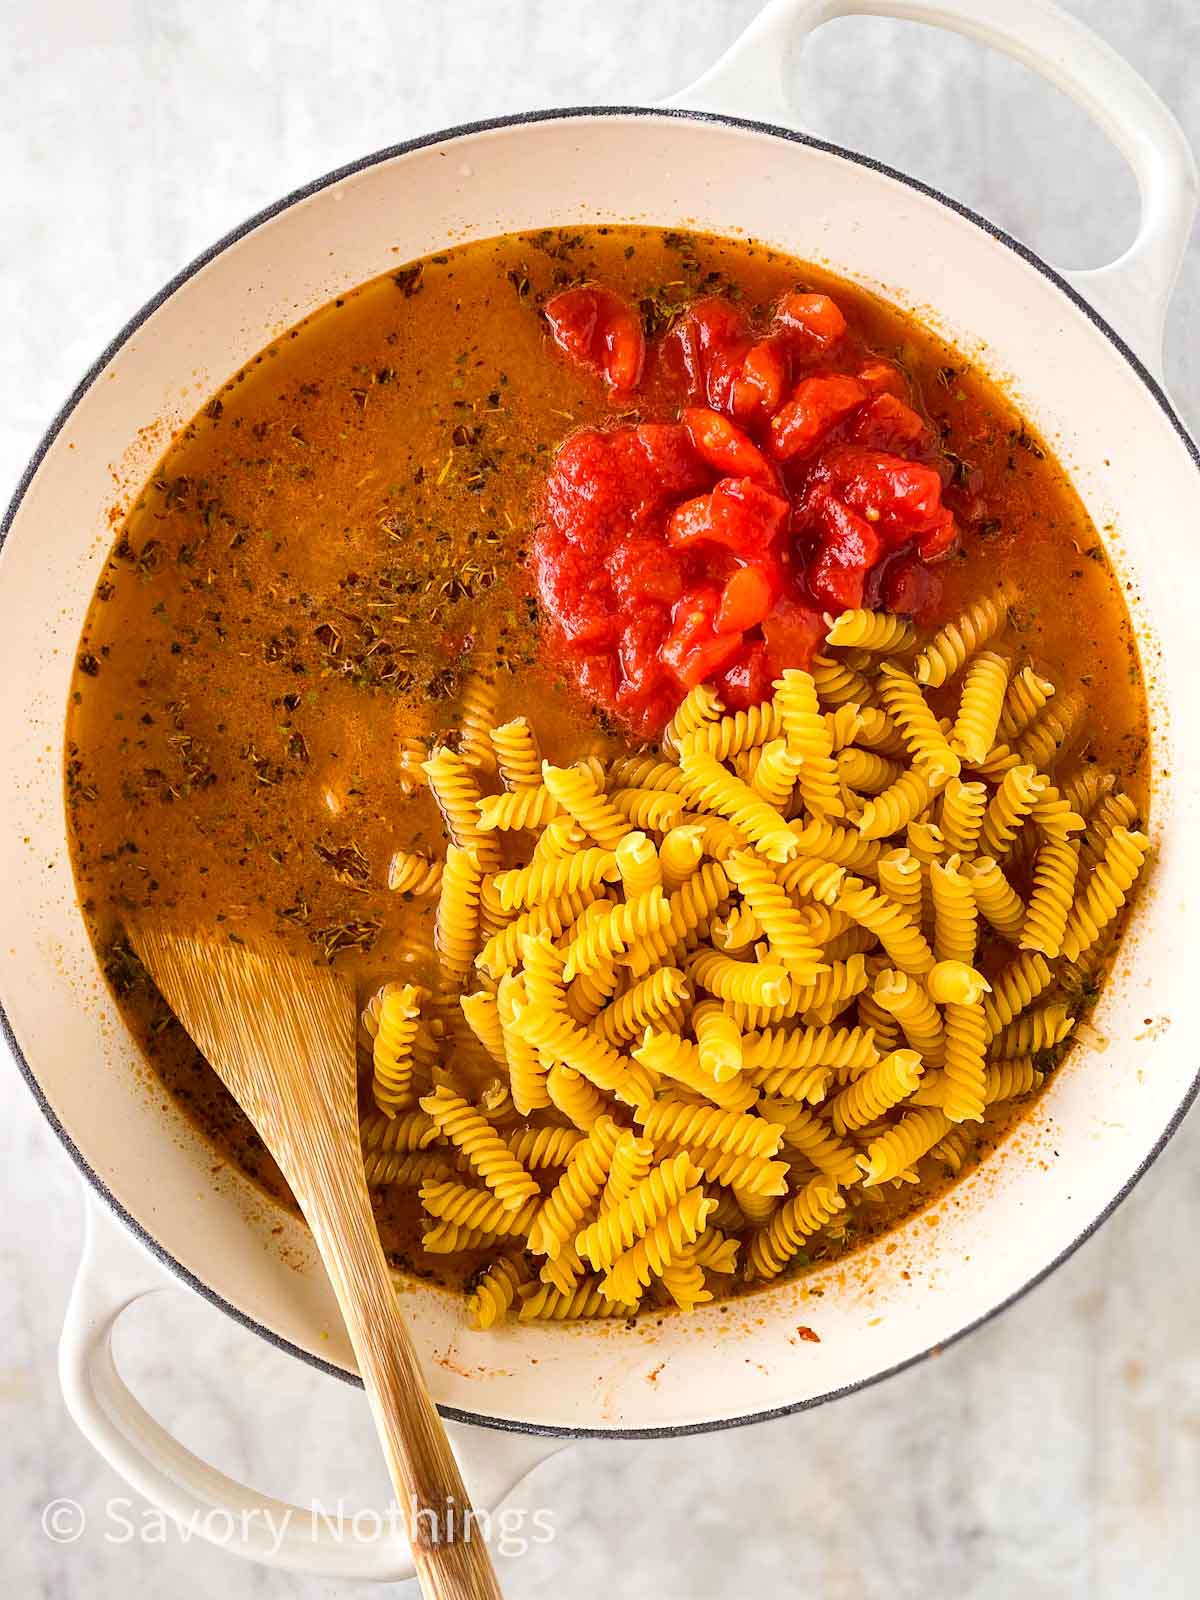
[[1056, 1453]]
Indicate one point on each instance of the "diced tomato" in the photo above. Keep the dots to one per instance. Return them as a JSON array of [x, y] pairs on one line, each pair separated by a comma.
[[793, 633], [638, 650], [939, 538], [765, 369], [645, 569], [849, 547], [748, 595], [883, 377], [748, 681], [708, 325], [738, 514], [673, 461], [901, 498], [726, 448], [817, 404], [694, 650], [597, 676], [599, 331], [909, 587], [812, 322], [574, 592], [887, 423]]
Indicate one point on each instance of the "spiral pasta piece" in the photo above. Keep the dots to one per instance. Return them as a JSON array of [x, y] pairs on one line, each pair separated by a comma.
[[699, 708], [679, 854], [482, 1016], [1036, 1030], [577, 791], [683, 1280], [839, 684], [813, 877], [872, 1017], [690, 907], [405, 1168], [775, 773], [669, 1056], [905, 703], [1105, 892], [484, 1149], [718, 1041], [456, 930], [657, 998], [818, 1002], [954, 912], [883, 1086], [526, 1069], [748, 983], [1054, 874], [1027, 693], [575, 1097], [901, 1146], [844, 723], [517, 809], [1008, 1080], [894, 928], [517, 754], [963, 1063], [770, 1248], [892, 808], [838, 845], [955, 983], [564, 1208], [808, 1133], [867, 772], [612, 932], [791, 945], [978, 718], [714, 788], [392, 1054], [413, 874], [544, 1303], [901, 879], [742, 730], [409, 1131], [538, 1148], [632, 1161], [697, 1128], [451, 1238], [523, 887], [619, 1226], [808, 739], [453, 785], [952, 646], [496, 1289], [655, 809], [502, 951], [964, 805], [996, 898], [849, 1050], [1015, 988], [905, 999], [1044, 740], [638, 865], [1019, 791], [881, 632]]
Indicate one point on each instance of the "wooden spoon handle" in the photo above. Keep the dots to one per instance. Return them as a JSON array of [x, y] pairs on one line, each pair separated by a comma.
[[450, 1551]]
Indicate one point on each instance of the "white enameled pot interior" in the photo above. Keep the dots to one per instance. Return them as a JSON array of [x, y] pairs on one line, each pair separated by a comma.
[[1106, 1110]]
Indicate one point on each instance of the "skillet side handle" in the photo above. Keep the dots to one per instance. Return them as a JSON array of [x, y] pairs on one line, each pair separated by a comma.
[[753, 78], [115, 1272]]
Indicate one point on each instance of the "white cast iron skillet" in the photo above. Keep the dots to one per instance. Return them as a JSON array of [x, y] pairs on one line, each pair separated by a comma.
[[1082, 356]]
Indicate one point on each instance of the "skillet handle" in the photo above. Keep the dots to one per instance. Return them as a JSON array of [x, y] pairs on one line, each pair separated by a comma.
[[752, 79], [115, 1272]]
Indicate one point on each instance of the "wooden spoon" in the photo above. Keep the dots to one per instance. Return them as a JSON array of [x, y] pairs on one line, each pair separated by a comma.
[[281, 1035]]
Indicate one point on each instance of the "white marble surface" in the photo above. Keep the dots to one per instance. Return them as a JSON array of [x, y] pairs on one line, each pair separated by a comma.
[[1056, 1453]]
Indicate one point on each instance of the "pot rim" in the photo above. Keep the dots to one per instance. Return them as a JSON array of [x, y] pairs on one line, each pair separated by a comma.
[[232, 237]]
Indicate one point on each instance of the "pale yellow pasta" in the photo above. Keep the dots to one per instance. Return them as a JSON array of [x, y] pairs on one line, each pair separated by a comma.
[[667, 1055], [502, 951], [519, 808], [392, 1055], [654, 809], [979, 708], [713, 787], [1044, 740], [683, 1279], [631, 1163], [575, 1096], [838, 684], [878, 631], [690, 908], [891, 924], [454, 786], [544, 1303], [680, 853], [1027, 694], [537, 1148], [578, 792], [844, 723], [557, 1220], [901, 1146], [812, 876], [953, 645], [1015, 987], [849, 1050], [955, 983], [413, 874], [954, 911], [996, 898], [669, 1121], [699, 708], [1084, 789], [483, 1148], [963, 1063], [906, 1000], [1036, 1030], [658, 998], [808, 739], [883, 1086], [739, 731], [406, 1168], [523, 887], [560, 837], [867, 772], [1054, 874], [450, 1238], [775, 773], [496, 1289], [901, 879], [905, 703], [748, 983], [483, 1018], [665, 1241], [770, 1248], [518, 755], [638, 865], [1006, 1080], [964, 805], [791, 945], [612, 932], [1019, 791], [879, 1022], [644, 772], [409, 1131], [1105, 891], [621, 1224], [894, 807], [564, 1041], [808, 1133], [718, 1040]]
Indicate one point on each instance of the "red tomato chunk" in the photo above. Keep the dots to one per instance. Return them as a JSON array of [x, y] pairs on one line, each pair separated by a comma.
[[800, 478]]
